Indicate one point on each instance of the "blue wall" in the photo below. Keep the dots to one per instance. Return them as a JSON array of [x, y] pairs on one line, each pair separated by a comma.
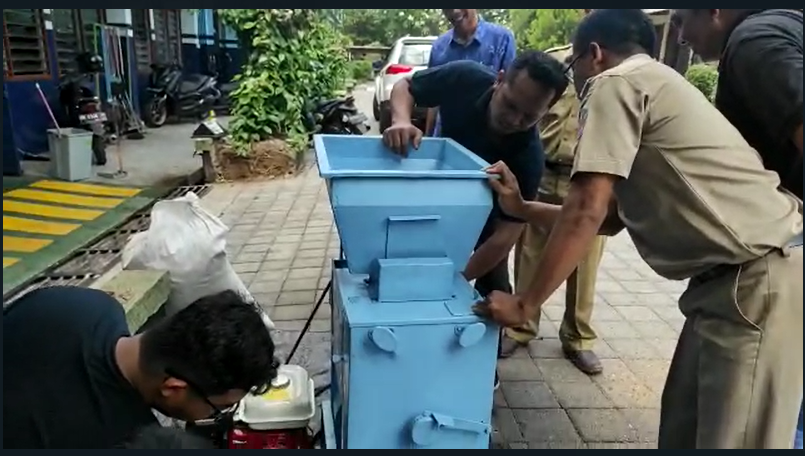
[[30, 119], [11, 158]]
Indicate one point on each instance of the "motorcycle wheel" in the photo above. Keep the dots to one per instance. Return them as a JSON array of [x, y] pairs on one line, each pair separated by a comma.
[[98, 150], [156, 112]]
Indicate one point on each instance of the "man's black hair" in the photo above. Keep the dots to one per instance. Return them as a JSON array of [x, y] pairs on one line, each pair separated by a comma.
[[156, 437], [217, 344], [541, 68], [621, 31]]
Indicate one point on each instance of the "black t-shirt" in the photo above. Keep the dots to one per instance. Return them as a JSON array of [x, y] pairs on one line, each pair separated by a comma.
[[62, 388], [462, 91], [760, 88]]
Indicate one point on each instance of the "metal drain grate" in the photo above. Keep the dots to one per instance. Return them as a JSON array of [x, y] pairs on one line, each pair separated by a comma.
[[46, 282], [199, 190], [87, 263], [90, 263]]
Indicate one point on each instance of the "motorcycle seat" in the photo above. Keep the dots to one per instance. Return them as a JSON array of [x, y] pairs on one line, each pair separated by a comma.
[[192, 83]]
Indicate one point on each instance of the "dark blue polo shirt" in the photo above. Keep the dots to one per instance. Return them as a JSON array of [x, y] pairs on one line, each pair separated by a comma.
[[462, 91]]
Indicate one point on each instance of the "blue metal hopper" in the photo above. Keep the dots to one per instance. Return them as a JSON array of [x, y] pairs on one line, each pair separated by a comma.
[[432, 204]]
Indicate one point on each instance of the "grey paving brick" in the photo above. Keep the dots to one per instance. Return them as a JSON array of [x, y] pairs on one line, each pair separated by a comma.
[[505, 424], [633, 349], [560, 370], [529, 395], [602, 425], [518, 370], [634, 314], [297, 297], [266, 286], [645, 422], [246, 267], [546, 426], [580, 395]]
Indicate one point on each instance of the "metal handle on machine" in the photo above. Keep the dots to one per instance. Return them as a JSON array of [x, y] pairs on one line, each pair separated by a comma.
[[427, 426]]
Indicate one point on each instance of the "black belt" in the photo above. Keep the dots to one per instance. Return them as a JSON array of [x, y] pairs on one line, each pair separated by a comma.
[[559, 167], [717, 271]]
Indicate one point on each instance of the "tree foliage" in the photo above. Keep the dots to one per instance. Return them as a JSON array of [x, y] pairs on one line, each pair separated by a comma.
[[384, 26], [294, 55], [542, 29]]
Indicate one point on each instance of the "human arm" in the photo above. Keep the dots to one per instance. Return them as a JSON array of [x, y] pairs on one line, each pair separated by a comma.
[[493, 250], [536, 213], [766, 68], [524, 177], [427, 88], [612, 117]]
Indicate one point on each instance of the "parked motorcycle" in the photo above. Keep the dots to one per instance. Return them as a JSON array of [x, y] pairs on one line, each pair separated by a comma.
[[338, 116], [81, 107], [173, 93]]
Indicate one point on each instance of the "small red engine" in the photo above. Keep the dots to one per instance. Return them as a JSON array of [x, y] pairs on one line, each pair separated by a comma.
[[285, 439]]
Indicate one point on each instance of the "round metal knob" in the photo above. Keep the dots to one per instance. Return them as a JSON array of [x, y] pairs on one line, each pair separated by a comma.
[[471, 335], [384, 339]]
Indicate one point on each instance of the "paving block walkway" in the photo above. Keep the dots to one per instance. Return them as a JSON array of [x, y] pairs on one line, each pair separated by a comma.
[[44, 221], [282, 241]]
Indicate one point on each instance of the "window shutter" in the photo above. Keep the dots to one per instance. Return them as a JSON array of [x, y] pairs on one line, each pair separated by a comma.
[[25, 42]]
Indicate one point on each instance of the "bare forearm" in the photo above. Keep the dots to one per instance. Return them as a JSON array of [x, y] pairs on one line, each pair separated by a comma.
[[402, 102], [540, 215], [492, 252], [544, 216], [567, 245]]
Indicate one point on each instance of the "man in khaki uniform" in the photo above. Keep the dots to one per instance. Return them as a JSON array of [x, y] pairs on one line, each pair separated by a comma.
[[559, 130], [655, 157]]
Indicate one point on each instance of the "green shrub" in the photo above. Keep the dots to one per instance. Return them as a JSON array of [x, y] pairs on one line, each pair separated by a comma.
[[361, 70], [294, 55], [705, 78]]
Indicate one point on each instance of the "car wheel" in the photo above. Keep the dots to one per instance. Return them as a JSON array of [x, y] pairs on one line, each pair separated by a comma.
[[376, 109], [385, 119]]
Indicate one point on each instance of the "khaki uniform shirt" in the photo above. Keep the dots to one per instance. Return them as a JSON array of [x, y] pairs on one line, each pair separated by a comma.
[[694, 194], [559, 131]]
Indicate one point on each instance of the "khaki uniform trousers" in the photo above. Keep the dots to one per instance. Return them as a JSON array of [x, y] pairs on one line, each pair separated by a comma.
[[575, 332], [736, 377]]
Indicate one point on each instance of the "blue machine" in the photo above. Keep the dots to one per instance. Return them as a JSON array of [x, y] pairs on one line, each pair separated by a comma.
[[412, 366]]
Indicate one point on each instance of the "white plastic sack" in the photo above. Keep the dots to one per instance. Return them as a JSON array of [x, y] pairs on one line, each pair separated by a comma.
[[189, 243]]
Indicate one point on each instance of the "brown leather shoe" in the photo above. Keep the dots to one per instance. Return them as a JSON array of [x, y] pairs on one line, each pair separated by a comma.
[[585, 360], [508, 346]]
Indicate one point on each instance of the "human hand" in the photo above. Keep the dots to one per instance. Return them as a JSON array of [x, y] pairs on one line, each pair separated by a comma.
[[398, 136], [505, 185], [505, 309]]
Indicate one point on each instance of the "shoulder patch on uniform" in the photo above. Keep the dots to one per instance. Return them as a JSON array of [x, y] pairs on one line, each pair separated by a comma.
[[559, 48], [582, 121]]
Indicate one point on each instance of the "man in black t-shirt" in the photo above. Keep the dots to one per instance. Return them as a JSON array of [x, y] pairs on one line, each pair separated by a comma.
[[493, 115], [760, 78], [75, 378]]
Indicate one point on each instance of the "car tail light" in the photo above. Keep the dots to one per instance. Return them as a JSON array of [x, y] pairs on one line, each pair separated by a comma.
[[399, 69]]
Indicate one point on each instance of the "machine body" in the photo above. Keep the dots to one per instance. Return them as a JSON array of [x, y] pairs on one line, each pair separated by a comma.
[[412, 366]]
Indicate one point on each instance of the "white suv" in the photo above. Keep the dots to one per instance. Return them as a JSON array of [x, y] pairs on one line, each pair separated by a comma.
[[408, 55]]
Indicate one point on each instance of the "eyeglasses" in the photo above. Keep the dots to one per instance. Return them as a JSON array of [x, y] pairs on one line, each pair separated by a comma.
[[219, 414]]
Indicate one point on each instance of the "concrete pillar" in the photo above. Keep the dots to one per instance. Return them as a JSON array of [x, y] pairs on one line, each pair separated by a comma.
[[190, 27], [120, 17]]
